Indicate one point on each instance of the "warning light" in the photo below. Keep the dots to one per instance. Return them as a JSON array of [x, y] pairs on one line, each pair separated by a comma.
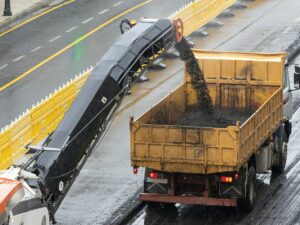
[[236, 177]]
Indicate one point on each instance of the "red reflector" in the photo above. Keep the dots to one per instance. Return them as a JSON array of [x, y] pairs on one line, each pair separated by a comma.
[[135, 170], [153, 175], [225, 179], [236, 177]]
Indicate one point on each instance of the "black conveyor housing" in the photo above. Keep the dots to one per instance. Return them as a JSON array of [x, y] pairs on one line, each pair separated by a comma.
[[126, 57]]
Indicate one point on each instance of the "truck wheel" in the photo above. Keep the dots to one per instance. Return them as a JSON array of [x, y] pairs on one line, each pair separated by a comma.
[[282, 154], [165, 206], [153, 205], [248, 200], [169, 206]]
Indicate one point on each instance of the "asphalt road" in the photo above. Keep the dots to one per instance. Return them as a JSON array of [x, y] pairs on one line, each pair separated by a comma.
[[106, 181], [54, 36]]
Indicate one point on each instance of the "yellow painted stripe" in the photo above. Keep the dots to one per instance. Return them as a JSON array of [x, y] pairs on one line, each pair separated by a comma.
[[72, 44], [35, 17]]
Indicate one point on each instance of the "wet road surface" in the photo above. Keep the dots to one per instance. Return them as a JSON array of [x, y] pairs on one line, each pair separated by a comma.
[[106, 181]]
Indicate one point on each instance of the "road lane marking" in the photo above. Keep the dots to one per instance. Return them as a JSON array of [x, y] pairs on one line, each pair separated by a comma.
[[87, 20], [103, 11], [3, 66], [35, 17], [54, 39], [18, 58], [34, 68], [36, 49], [71, 29], [118, 3]]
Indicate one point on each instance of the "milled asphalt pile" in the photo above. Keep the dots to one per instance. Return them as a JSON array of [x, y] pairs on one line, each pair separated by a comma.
[[202, 114], [193, 69], [194, 116]]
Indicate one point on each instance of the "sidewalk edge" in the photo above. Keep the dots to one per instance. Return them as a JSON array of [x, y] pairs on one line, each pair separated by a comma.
[[24, 13]]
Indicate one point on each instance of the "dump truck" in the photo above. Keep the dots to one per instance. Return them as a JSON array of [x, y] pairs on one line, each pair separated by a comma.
[[190, 163]]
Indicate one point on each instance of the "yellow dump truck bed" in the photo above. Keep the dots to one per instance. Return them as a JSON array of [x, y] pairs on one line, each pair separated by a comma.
[[249, 83]]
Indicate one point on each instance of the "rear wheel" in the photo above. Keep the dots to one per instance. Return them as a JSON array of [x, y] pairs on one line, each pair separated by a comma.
[[282, 143], [249, 190], [153, 205]]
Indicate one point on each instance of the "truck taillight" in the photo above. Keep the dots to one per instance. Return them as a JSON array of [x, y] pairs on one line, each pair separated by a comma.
[[225, 179], [135, 170], [154, 175], [236, 177]]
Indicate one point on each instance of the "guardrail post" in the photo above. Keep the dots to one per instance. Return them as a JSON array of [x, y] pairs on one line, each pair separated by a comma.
[[190, 42], [172, 54], [141, 79], [216, 23], [240, 5], [158, 65], [202, 31], [226, 13]]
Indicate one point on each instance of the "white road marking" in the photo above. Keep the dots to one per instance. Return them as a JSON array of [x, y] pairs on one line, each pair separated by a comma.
[[297, 20], [286, 30], [103, 11], [3, 66], [118, 3], [54, 39], [36, 49], [18, 58], [275, 41], [88, 20], [71, 29]]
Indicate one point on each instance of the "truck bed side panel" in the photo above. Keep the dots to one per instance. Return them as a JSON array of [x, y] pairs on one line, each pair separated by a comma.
[[184, 149], [249, 83]]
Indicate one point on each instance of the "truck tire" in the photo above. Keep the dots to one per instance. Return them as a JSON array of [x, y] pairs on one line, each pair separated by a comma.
[[248, 200], [153, 205], [282, 145]]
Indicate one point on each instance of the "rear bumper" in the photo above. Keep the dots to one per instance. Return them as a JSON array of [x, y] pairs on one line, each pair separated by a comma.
[[192, 200]]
